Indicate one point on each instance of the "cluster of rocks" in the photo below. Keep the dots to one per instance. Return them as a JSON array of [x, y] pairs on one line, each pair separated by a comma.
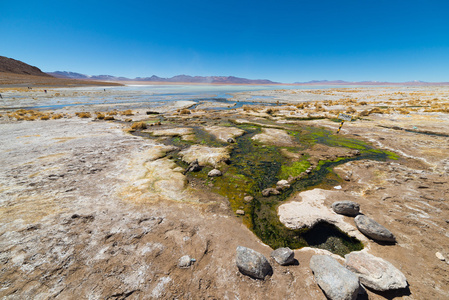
[[254, 264], [364, 224], [336, 281], [281, 185], [361, 268]]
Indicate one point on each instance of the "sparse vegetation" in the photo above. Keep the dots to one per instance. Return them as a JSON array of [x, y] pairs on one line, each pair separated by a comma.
[[139, 126], [83, 114]]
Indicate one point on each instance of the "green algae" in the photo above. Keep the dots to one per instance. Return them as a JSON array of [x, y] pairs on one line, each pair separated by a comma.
[[293, 169]]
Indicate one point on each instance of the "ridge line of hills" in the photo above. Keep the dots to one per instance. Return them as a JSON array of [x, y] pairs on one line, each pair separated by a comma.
[[154, 78], [12, 66]]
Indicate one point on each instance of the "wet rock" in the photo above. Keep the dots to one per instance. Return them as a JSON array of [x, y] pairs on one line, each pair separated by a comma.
[[206, 155], [225, 134], [337, 282], [347, 208], [375, 272], [185, 261], [193, 167], [283, 256], [270, 191], [282, 185], [373, 230], [252, 263], [273, 136], [248, 198], [240, 212], [214, 173]]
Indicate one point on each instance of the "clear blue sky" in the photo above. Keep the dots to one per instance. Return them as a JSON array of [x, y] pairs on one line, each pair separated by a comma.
[[284, 41]]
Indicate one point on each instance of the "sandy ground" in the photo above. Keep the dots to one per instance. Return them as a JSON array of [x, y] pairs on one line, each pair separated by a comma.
[[80, 216]]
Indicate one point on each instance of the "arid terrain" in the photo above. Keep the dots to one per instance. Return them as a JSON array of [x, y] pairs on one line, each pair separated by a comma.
[[96, 203]]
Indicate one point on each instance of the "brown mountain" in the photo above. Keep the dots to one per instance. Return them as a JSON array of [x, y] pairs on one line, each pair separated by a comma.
[[9, 65]]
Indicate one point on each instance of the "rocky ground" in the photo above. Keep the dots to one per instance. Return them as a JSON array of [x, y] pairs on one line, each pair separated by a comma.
[[89, 210]]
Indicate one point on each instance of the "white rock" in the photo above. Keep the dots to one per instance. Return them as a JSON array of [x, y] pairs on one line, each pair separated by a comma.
[[440, 256]]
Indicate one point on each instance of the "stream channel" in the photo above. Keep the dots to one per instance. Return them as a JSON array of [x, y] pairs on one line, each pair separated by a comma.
[[254, 167]]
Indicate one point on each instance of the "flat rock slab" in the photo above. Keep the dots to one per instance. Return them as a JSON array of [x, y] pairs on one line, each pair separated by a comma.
[[205, 155], [375, 272], [308, 209], [252, 263], [337, 282], [308, 212], [347, 208], [373, 230], [273, 136], [185, 132], [224, 133]]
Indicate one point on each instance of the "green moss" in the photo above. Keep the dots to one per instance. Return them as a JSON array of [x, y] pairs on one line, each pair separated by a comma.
[[293, 169]]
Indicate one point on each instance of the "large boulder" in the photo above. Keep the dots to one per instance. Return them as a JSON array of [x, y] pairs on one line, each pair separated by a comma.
[[347, 208], [283, 256], [337, 282], [252, 263], [373, 230], [375, 272]]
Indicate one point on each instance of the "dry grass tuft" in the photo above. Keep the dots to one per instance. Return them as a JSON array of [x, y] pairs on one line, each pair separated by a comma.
[[57, 116], [127, 112], [109, 118], [83, 114], [139, 126], [185, 111], [100, 115]]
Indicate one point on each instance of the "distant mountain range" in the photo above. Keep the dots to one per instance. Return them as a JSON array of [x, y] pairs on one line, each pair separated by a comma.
[[12, 66], [154, 78], [228, 80]]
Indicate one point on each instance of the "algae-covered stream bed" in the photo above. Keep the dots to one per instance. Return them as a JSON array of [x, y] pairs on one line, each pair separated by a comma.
[[254, 167]]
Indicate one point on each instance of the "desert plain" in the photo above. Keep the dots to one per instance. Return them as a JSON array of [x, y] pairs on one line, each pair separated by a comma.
[[97, 201]]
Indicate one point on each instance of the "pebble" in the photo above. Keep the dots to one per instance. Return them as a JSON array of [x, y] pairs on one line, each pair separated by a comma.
[[240, 212], [248, 198], [214, 173], [440, 256], [185, 261]]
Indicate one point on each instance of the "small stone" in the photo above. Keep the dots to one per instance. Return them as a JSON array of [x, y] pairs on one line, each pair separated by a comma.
[[282, 185], [240, 212], [214, 173], [347, 208], [373, 230], [184, 262], [252, 263], [336, 281], [440, 256], [230, 140], [270, 191], [283, 256], [248, 198], [375, 272]]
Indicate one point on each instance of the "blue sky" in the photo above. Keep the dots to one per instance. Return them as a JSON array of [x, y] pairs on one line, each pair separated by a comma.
[[285, 41]]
